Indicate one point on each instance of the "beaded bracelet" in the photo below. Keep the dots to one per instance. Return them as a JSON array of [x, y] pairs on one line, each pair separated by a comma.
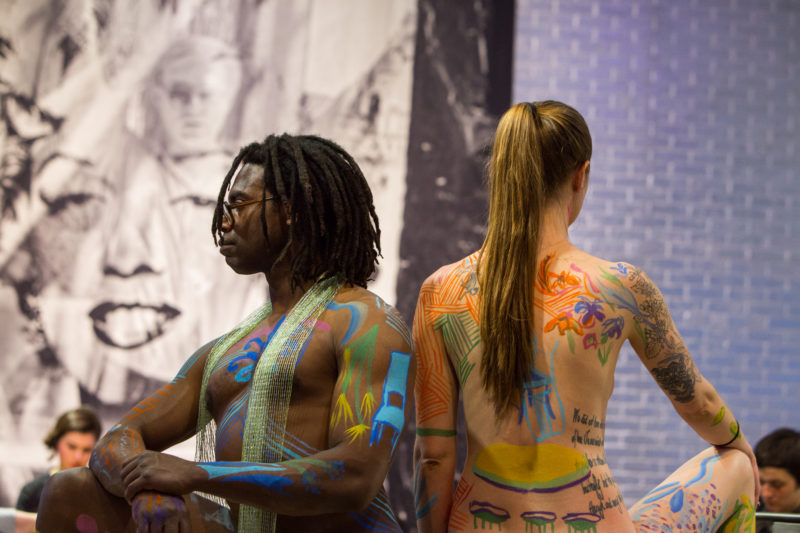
[[736, 436]]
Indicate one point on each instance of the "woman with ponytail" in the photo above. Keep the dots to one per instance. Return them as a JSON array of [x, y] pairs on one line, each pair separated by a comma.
[[527, 330]]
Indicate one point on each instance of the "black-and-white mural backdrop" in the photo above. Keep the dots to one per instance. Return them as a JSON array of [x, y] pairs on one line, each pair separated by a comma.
[[118, 121]]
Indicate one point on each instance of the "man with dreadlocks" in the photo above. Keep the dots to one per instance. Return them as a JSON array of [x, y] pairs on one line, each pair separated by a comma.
[[299, 408]]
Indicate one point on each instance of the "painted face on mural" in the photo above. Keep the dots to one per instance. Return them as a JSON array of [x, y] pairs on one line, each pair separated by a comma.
[[132, 279], [130, 276], [193, 91]]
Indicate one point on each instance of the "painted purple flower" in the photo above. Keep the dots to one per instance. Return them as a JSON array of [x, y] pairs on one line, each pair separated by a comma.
[[590, 309], [612, 327]]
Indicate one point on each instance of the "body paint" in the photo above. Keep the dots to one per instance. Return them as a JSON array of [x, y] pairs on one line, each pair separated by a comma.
[[394, 388]]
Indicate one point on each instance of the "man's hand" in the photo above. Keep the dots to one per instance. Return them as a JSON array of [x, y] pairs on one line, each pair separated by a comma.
[[155, 512], [157, 471]]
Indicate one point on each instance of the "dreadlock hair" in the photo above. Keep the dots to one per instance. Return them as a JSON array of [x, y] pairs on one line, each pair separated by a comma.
[[537, 147], [334, 229]]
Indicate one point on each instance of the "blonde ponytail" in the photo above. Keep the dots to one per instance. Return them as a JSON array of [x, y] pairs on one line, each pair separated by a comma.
[[534, 147]]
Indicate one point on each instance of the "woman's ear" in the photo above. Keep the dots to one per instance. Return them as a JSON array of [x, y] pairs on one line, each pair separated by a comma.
[[580, 179]]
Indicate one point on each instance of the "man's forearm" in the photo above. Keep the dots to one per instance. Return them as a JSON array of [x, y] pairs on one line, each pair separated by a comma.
[[308, 486], [106, 462]]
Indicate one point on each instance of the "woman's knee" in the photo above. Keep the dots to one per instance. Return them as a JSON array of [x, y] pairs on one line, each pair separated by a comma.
[[736, 460], [739, 467]]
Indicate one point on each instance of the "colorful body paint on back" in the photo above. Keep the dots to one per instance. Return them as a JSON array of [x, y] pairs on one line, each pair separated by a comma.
[[579, 307], [540, 394], [539, 468]]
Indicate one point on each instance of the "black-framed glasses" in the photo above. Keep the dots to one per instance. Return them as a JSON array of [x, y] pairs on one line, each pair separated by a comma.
[[230, 211]]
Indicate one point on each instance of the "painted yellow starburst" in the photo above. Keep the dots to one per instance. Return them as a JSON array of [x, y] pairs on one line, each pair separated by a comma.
[[356, 431], [367, 405], [342, 411]]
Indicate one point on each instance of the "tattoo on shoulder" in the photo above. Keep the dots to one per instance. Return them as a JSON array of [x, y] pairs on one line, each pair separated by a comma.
[[677, 376], [654, 317]]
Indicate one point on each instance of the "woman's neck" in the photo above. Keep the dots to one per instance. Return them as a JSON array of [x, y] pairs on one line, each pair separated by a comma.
[[555, 224]]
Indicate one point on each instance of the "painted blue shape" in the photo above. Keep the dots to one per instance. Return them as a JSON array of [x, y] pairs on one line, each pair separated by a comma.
[[248, 355], [357, 317], [676, 502], [622, 269], [276, 483], [705, 472], [392, 415], [612, 327], [236, 412], [378, 516], [538, 392], [589, 308], [420, 483], [676, 488], [425, 509], [262, 475], [662, 491], [225, 468], [291, 447]]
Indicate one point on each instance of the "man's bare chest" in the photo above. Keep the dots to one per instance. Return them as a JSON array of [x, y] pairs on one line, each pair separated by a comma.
[[259, 357]]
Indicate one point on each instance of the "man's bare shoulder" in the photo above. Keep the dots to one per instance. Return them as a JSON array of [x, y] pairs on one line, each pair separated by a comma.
[[357, 309]]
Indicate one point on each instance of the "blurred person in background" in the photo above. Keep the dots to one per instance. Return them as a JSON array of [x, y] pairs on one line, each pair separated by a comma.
[[72, 438], [778, 456]]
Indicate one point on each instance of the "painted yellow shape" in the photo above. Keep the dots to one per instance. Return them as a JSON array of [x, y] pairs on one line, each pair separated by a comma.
[[719, 417], [367, 405], [539, 468], [742, 519], [356, 431], [341, 411]]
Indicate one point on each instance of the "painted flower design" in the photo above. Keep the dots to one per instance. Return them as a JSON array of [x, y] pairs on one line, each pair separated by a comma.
[[612, 327], [622, 269], [590, 341], [564, 279], [589, 310], [565, 323]]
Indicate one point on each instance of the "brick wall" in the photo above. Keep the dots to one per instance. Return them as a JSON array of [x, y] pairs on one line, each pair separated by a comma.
[[694, 108]]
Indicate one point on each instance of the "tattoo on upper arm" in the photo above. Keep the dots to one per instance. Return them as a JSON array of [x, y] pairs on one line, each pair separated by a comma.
[[677, 377], [659, 336]]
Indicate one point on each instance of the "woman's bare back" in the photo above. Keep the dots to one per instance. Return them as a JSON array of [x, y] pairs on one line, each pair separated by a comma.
[[541, 467]]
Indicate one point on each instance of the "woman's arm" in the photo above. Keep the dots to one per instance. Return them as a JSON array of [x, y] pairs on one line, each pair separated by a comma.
[[662, 350], [436, 394]]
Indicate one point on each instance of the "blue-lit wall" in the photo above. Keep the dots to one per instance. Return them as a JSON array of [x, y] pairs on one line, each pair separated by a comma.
[[694, 108]]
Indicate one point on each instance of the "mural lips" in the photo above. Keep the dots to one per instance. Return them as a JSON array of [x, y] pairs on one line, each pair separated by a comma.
[[129, 326]]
